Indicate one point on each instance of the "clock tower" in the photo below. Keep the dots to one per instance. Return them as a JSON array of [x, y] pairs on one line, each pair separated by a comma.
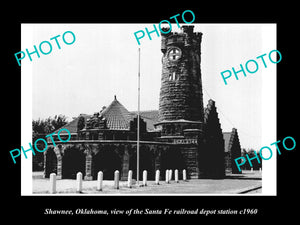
[[181, 101], [181, 111]]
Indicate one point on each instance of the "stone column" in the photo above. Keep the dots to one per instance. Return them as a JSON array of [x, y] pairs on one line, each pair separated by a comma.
[[190, 155], [59, 162], [157, 159], [59, 168], [88, 166], [125, 164], [45, 163]]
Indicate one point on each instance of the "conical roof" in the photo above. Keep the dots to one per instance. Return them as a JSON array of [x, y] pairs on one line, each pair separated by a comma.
[[117, 116]]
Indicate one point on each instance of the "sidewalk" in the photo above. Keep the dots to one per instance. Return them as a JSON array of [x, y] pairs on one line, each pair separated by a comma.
[[232, 184]]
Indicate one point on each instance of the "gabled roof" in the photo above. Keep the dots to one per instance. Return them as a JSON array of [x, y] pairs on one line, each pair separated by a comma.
[[72, 126], [149, 116]]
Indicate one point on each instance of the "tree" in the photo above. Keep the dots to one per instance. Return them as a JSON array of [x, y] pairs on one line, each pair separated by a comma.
[[58, 121], [40, 129], [251, 154], [48, 125]]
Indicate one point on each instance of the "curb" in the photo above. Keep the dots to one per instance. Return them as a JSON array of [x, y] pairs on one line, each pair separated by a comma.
[[243, 190], [246, 190]]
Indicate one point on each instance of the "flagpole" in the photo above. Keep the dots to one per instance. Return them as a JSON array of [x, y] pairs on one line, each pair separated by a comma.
[[138, 128]]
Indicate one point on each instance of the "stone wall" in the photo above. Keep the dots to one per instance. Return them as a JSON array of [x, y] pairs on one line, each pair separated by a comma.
[[181, 86]]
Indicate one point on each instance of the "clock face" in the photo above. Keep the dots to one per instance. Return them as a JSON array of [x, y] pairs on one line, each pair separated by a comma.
[[174, 54]]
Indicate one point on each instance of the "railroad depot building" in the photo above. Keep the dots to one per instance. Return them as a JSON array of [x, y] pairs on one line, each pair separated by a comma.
[[182, 134]]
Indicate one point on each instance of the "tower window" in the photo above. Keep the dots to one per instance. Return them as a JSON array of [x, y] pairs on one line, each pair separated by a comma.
[[173, 76]]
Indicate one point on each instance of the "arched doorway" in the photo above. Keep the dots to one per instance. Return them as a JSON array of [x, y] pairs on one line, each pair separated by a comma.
[[108, 161], [73, 162], [50, 162], [146, 163], [171, 158]]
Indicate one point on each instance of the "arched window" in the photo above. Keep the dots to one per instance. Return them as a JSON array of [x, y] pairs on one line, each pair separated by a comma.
[[173, 76]]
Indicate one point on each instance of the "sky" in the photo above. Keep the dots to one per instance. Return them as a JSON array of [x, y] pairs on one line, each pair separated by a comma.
[[103, 62]]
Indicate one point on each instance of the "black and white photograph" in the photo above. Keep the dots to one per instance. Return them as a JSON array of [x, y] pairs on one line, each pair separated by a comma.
[[151, 117], [177, 111]]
